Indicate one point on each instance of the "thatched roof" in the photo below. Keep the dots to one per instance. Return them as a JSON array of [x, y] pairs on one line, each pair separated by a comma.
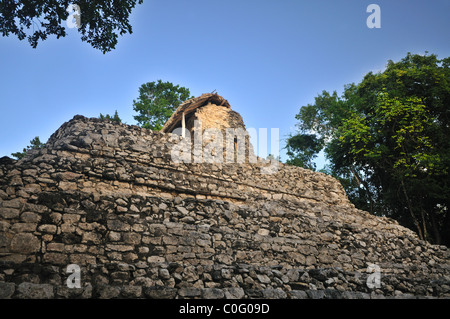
[[189, 106]]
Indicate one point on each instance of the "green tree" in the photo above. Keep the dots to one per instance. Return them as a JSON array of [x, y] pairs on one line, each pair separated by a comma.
[[395, 141], [156, 103], [35, 143], [387, 141], [114, 118], [100, 21], [302, 149]]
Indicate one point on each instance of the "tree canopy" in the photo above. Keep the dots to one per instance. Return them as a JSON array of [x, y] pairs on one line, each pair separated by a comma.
[[156, 103], [114, 118], [35, 143], [100, 22], [387, 141]]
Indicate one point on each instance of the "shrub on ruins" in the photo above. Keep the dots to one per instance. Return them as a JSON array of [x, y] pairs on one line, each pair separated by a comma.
[[35, 143], [114, 118]]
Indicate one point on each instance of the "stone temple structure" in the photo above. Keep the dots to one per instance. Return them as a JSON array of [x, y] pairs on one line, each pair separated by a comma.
[[108, 198], [204, 118], [213, 110]]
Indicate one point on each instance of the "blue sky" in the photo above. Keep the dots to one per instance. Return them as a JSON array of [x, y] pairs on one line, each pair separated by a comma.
[[266, 57]]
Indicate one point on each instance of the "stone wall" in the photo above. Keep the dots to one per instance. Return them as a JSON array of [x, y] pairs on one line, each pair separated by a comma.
[[107, 197]]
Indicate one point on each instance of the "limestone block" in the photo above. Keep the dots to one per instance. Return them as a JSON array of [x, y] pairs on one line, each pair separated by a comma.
[[28, 290], [25, 243]]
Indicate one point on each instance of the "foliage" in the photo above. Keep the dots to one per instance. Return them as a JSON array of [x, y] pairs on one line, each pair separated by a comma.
[[100, 21], [387, 141], [35, 143], [156, 103], [114, 118], [302, 149]]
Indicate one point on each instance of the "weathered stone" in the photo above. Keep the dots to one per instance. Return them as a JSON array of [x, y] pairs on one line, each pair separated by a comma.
[[156, 259], [32, 188], [91, 237], [68, 186], [55, 247], [170, 240], [131, 292], [188, 220], [234, 293], [164, 273], [119, 247], [108, 292], [28, 290], [71, 218], [74, 293], [121, 202], [310, 260], [293, 274], [121, 209], [55, 258], [203, 242], [47, 228], [189, 292], [332, 294], [325, 258], [117, 225], [182, 210], [298, 294], [29, 217], [25, 243], [30, 172], [274, 294], [9, 213], [263, 279], [16, 181], [344, 258], [327, 236], [131, 238], [319, 274], [212, 293], [157, 229], [13, 203], [7, 290], [4, 226], [114, 236], [67, 176], [109, 198], [67, 228], [159, 292], [24, 227], [315, 294], [134, 209]]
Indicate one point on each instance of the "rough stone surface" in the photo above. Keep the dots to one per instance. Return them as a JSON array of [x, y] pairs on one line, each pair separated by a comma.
[[108, 197]]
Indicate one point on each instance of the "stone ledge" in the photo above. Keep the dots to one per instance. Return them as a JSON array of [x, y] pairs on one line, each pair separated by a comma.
[[28, 290]]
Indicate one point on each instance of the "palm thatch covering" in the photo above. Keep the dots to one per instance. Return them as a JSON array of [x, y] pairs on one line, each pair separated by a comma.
[[190, 106]]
